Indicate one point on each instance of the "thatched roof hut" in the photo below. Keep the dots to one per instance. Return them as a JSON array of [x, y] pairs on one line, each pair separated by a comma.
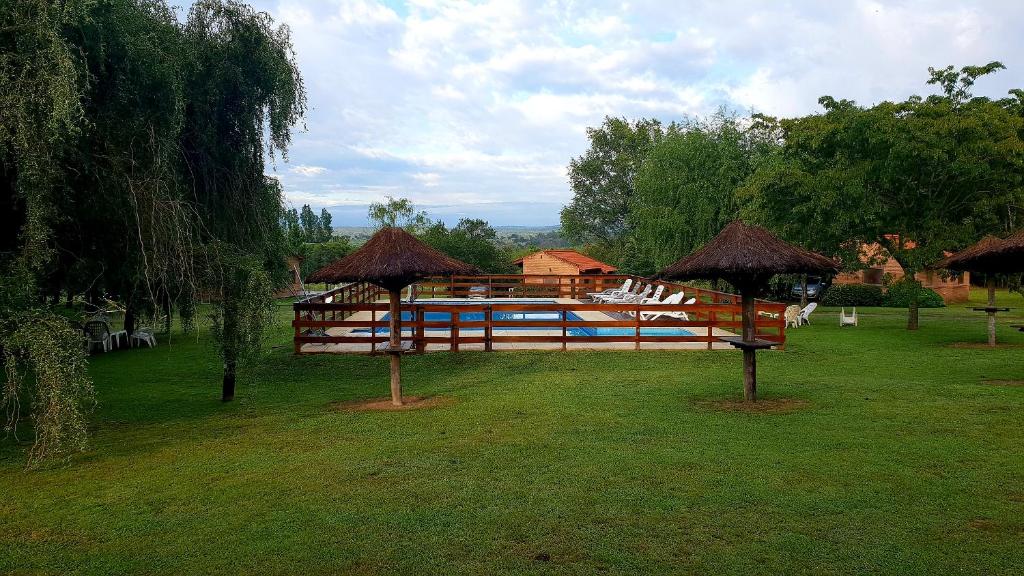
[[978, 257], [1012, 250], [990, 256], [747, 256], [391, 259]]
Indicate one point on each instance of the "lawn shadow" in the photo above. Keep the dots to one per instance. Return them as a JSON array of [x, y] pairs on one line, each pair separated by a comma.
[[762, 406]]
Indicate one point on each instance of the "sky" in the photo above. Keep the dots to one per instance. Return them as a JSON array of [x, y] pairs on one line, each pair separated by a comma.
[[474, 109]]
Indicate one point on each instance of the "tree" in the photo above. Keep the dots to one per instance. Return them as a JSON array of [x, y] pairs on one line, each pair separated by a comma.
[[398, 212], [316, 256], [130, 143], [603, 180], [312, 226], [472, 241], [327, 231], [917, 177], [685, 190], [246, 93]]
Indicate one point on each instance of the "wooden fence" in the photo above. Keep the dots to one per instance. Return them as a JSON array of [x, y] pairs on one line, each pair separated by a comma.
[[491, 321]]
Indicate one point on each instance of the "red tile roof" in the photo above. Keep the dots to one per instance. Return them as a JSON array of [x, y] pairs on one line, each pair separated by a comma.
[[584, 263]]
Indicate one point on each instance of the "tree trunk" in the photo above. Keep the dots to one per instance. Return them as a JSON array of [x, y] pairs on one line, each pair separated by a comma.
[[228, 388], [990, 283], [803, 290], [129, 320], [749, 361], [913, 316], [395, 342]]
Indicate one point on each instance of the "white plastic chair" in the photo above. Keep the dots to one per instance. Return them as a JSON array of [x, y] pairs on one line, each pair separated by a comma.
[[144, 336], [805, 314], [97, 332], [792, 315], [845, 320]]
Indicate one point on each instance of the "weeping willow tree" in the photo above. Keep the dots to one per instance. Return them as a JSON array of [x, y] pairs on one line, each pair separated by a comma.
[[685, 189], [132, 151]]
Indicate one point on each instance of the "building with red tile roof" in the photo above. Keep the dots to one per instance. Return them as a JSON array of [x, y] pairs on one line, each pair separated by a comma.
[[563, 262]]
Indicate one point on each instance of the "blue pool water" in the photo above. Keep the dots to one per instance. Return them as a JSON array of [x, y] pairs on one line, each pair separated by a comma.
[[533, 316]]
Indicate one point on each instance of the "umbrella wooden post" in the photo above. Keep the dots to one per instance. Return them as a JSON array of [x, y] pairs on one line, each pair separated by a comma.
[[395, 348], [749, 360], [990, 283]]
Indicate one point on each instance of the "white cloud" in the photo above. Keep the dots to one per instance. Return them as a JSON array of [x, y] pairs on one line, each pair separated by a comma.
[[428, 179], [476, 103], [304, 170]]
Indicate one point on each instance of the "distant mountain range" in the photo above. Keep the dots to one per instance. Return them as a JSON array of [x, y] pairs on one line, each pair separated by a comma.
[[503, 231]]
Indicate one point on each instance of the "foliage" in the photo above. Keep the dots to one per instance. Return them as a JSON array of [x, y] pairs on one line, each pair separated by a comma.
[[853, 295], [130, 142], [917, 177], [900, 294], [398, 212], [603, 180], [685, 190], [242, 311], [305, 228], [44, 359], [316, 256], [472, 241]]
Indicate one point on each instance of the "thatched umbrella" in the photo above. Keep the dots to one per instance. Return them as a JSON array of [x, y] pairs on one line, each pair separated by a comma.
[[747, 257], [990, 256], [392, 259]]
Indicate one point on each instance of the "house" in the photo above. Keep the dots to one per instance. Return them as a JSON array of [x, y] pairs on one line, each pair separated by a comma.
[[562, 262], [952, 288]]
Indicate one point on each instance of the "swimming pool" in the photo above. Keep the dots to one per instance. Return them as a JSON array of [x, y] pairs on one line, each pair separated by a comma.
[[531, 316]]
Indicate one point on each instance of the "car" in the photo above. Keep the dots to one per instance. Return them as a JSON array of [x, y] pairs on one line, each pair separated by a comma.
[[815, 286]]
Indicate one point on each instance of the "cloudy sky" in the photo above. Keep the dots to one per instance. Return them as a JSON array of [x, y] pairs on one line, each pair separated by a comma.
[[473, 109]]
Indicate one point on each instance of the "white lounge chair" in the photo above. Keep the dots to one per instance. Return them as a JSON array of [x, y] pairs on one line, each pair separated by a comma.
[[631, 298], [670, 299], [652, 299], [805, 314], [618, 294], [624, 288], [845, 320], [671, 314]]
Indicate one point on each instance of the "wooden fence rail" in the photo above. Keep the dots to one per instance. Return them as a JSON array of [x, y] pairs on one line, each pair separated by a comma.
[[492, 321]]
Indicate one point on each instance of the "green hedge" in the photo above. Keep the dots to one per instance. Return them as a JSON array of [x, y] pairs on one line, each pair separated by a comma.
[[897, 295], [853, 295]]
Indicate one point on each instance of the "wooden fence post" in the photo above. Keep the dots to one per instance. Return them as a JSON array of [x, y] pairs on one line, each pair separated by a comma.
[[488, 328], [565, 315], [638, 326], [454, 332]]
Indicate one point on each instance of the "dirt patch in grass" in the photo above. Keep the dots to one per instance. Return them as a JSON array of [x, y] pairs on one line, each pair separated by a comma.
[[994, 382], [764, 406], [983, 524], [385, 405], [983, 346]]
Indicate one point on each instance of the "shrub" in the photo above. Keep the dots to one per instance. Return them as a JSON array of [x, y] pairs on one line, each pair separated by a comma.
[[898, 294], [853, 295]]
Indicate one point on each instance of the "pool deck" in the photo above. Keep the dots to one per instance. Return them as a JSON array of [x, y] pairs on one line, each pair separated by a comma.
[[589, 315]]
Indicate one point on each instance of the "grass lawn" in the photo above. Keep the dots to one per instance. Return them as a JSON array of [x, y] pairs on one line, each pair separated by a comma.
[[897, 457]]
